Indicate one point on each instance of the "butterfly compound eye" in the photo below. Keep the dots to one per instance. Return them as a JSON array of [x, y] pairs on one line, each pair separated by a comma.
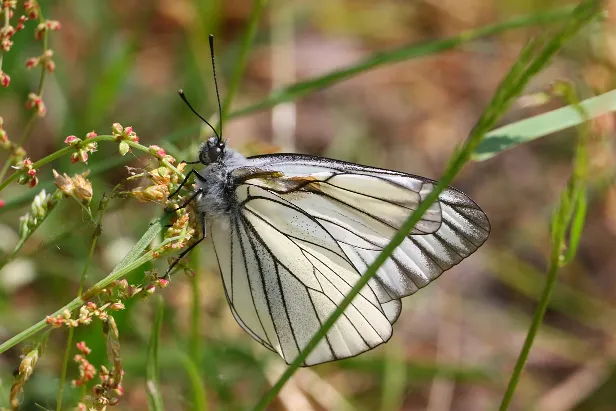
[[214, 154], [211, 151]]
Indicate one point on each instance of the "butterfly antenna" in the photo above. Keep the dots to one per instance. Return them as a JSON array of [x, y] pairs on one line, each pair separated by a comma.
[[181, 93], [216, 86]]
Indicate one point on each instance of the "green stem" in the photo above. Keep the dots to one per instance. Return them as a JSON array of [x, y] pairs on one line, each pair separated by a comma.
[[518, 77], [71, 331], [155, 399], [38, 164], [532, 333], [69, 150], [7, 22], [255, 14], [408, 52], [195, 339], [134, 259], [572, 203], [5, 168], [196, 381], [26, 133]]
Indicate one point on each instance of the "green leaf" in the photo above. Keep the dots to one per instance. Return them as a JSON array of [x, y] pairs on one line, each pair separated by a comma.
[[577, 225], [532, 128], [123, 148]]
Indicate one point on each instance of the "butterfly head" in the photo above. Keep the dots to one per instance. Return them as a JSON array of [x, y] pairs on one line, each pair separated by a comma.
[[211, 151]]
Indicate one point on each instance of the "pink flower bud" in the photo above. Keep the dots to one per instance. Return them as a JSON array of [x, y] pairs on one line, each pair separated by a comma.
[[116, 129], [74, 158], [162, 283], [91, 134], [53, 25], [81, 346], [32, 62], [72, 140], [117, 306], [40, 29], [83, 156], [2, 203], [5, 80], [31, 9], [50, 66], [157, 150]]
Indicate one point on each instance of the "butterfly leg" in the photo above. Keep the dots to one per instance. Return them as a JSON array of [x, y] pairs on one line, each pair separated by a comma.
[[188, 250], [190, 200], [182, 184]]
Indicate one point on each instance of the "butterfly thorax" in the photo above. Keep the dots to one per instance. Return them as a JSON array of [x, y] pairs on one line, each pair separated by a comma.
[[217, 196]]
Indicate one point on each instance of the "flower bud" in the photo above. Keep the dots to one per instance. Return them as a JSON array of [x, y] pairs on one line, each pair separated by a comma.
[[72, 141]]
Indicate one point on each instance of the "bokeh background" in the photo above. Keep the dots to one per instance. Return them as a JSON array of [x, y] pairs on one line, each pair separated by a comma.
[[456, 341]]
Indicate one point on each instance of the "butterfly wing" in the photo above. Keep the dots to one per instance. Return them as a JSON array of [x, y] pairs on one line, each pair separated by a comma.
[[306, 228]]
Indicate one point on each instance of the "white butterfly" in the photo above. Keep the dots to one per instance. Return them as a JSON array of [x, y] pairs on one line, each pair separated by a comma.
[[293, 233]]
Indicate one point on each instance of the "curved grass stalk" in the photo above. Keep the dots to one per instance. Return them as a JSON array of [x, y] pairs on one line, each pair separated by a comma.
[[531, 60]]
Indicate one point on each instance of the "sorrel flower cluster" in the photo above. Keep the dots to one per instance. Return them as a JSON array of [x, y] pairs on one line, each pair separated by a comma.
[[29, 175], [82, 147], [108, 390], [87, 313], [123, 135]]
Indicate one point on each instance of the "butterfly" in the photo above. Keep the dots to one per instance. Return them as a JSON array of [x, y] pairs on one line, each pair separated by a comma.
[[293, 233]]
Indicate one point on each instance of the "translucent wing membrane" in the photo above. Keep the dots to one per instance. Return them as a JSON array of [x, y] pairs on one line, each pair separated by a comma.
[[303, 232]]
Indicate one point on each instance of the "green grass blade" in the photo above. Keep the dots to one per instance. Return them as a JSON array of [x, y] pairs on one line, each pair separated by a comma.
[[566, 211], [401, 54], [238, 71], [577, 225], [155, 400], [532, 128], [196, 382]]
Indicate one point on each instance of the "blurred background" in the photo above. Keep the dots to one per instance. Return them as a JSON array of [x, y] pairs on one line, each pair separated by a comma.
[[456, 341]]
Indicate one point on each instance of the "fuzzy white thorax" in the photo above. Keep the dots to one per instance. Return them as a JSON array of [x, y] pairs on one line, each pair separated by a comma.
[[216, 196]]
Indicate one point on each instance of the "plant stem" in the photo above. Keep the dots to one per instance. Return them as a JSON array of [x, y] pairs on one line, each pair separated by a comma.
[[240, 64], [82, 282], [152, 387], [572, 208], [135, 258], [532, 332], [5, 168], [68, 150], [408, 52], [195, 312], [7, 16], [39, 91]]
